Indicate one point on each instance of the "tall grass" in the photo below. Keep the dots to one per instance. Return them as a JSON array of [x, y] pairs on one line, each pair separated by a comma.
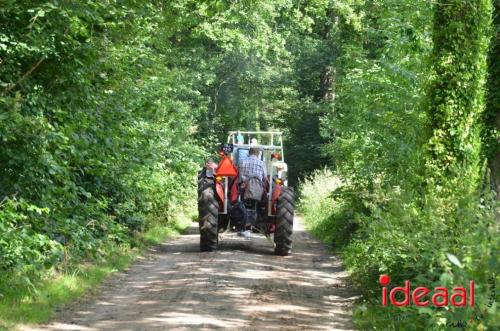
[[317, 202]]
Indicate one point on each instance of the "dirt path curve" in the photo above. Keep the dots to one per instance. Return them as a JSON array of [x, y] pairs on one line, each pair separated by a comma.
[[243, 286]]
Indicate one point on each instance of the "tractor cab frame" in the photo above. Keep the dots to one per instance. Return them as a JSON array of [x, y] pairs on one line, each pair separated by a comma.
[[272, 153]]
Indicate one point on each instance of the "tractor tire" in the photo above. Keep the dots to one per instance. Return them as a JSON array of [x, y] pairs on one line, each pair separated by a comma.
[[208, 212], [202, 180], [284, 222]]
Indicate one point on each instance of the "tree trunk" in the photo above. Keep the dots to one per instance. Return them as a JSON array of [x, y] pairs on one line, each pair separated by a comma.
[[492, 113], [456, 97], [327, 84]]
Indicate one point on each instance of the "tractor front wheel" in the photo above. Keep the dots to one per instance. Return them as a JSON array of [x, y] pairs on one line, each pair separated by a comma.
[[208, 212], [284, 222]]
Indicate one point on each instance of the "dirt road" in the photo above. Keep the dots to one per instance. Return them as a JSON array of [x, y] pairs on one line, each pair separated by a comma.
[[243, 286]]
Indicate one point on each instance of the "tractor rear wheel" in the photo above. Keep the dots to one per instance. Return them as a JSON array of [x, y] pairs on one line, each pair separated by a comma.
[[208, 212], [284, 222]]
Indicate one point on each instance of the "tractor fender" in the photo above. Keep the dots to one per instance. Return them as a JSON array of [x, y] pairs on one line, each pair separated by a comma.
[[233, 193], [219, 189], [274, 198]]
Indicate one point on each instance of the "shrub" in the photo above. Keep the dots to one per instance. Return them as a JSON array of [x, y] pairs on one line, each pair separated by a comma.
[[443, 241]]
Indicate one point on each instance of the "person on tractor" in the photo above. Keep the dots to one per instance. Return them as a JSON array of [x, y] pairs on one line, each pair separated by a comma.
[[252, 166], [252, 172]]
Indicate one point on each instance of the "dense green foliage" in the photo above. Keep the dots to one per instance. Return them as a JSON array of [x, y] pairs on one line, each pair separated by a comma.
[[414, 201], [104, 106], [456, 97], [491, 115], [93, 138], [107, 109]]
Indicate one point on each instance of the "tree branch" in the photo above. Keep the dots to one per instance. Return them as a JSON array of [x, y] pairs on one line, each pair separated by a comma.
[[26, 74]]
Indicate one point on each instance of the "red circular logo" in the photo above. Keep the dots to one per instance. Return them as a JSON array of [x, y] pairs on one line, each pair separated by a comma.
[[384, 280]]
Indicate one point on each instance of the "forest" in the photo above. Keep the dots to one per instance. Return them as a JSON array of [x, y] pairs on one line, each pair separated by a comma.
[[390, 110]]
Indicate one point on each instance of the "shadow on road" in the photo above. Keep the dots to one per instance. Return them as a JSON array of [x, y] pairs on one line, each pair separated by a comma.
[[241, 286]]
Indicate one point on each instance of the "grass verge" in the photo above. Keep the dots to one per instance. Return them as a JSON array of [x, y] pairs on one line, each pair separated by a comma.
[[23, 301]]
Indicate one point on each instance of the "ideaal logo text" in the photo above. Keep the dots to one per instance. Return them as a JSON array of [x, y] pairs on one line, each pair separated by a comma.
[[423, 296]]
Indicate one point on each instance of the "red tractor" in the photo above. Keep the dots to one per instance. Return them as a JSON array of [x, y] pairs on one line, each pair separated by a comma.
[[221, 203]]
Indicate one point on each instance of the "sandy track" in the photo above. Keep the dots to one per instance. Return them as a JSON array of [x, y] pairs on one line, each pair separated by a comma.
[[243, 286]]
